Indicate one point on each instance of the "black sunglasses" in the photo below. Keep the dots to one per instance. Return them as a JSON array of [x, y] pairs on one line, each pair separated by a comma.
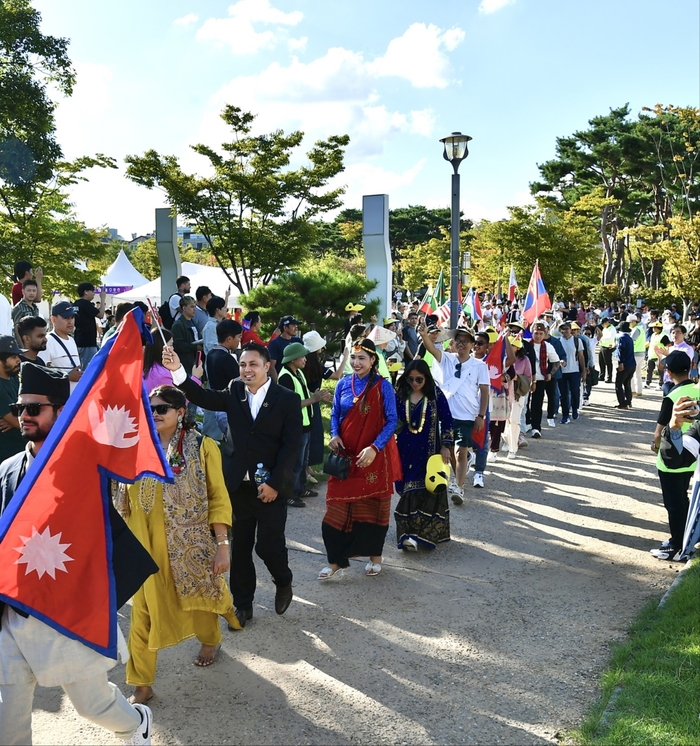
[[479, 344], [33, 409], [161, 409], [417, 379]]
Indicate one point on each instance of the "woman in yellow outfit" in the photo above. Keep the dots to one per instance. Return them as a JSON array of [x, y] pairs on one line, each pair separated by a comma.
[[185, 528]]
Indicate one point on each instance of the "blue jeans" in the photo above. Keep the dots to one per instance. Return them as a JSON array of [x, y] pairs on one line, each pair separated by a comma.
[[301, 464], [570, 389]]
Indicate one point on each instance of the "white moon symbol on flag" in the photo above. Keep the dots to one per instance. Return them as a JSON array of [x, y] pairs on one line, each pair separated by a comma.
[[110, 426]]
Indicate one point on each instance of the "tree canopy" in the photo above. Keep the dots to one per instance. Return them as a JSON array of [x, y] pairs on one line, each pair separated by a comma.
[[257, 214]]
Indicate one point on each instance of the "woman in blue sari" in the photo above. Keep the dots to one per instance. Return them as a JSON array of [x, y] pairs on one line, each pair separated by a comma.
[[425, 428]]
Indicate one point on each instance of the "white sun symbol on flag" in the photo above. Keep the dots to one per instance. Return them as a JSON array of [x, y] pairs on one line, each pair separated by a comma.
[[43, 553]]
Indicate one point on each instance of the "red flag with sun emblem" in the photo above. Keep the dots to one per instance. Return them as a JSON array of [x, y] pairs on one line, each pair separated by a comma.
[[494, 360], [55, 535]]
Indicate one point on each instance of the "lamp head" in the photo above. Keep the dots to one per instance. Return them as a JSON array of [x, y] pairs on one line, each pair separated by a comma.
[[455, 150]]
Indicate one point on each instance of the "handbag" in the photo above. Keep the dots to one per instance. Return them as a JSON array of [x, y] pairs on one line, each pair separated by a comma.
[[337, 465], [593, 373]]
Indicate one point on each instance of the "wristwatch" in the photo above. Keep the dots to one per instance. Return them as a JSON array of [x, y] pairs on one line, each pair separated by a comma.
[[482, 416]]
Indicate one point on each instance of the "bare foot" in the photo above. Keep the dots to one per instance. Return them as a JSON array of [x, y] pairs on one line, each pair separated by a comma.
[[141, 695], [207, 655]]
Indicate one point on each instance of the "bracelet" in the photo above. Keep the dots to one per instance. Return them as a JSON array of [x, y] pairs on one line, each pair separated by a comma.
[[223, 543], [482, 416], [218, 536]]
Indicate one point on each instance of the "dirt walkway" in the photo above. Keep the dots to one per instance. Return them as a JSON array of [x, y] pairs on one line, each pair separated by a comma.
[[497, 637]]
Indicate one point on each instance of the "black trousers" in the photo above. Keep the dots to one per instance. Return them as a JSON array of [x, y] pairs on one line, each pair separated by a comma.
[[674, 488], [623, 386], [605, 363], [537, 400], [268, 520], [652, 367]]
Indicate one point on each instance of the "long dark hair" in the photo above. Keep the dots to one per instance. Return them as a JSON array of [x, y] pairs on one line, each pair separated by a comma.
[[403, 387], [313, 370], [173, 395], [153, 352]]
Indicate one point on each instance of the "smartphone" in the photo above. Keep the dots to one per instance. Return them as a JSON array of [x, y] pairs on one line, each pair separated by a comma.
[[198, 359]]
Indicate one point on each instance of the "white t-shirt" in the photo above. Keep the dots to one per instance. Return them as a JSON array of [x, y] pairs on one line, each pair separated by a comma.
[[569, 346], [552, 357], [6, 325], [56, 357], [463, 393]]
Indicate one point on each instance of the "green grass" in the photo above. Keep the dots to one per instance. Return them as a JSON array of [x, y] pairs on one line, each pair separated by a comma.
[[651, 690]]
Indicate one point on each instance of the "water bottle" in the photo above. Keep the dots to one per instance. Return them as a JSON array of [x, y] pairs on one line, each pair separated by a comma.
[[261, 475]]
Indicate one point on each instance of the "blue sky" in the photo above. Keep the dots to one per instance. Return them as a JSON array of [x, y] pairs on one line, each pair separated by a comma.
[[395, 76]]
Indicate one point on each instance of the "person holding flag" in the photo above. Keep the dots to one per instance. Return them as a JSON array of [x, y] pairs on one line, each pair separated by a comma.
[[41, 637], [537, 299]]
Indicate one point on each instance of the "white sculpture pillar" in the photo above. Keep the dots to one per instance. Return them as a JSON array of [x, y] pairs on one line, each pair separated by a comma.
[[375, 240]]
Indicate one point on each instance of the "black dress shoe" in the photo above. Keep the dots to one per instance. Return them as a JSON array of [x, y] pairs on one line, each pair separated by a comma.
[[243, 616], [283, 597]]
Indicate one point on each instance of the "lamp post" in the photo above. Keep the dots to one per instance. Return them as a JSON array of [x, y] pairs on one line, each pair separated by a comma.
[[455, 152]]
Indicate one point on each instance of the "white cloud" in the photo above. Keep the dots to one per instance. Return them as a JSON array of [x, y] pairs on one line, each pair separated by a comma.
[[237, 31], [417, 56], [366, 178], [491, 6], [297, 44], [187, 20]]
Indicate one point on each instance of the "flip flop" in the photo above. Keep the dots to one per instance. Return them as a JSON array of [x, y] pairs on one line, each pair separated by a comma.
[[372, 569], [204, 662], [328, 572], [133, 701]]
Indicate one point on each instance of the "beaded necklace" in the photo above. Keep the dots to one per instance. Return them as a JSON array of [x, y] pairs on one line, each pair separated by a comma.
[[424, 412], [355, 396]]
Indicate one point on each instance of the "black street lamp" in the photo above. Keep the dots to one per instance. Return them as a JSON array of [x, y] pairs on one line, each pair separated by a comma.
[[455, 152]]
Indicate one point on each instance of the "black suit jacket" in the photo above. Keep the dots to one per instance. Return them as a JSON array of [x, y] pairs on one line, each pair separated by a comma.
[[273, 439]]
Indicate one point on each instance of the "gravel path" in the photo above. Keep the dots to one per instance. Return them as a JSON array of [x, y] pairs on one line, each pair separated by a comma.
[[498, 637]]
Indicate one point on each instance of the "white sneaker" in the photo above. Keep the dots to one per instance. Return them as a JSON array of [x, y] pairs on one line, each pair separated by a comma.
[[522, 441], [552, 423], [471, 461], [478, 479], [452, 486], [142, 735], [536, 434], [512, 455], [410, 544], [458, 496], [493, 456]]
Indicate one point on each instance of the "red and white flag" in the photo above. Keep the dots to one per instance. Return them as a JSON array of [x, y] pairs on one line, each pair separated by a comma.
[[512, 285], [55, 535]]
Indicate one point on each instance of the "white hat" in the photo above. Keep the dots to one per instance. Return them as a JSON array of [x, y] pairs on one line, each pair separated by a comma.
[[313, 341], [631, 317], [379, 335]]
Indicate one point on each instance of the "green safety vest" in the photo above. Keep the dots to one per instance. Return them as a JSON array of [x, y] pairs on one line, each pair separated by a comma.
[[640, 343], [655, 340], [693, 391], [302, 390]]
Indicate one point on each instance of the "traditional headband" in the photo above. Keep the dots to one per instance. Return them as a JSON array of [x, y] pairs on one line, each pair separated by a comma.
[[360, 346]]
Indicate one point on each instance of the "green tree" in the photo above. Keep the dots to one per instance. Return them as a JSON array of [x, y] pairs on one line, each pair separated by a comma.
[[563, 242], [256, 213], [316, 295], [29, 63]]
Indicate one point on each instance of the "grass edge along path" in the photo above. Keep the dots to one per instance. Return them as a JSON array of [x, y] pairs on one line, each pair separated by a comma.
[[651, 689]]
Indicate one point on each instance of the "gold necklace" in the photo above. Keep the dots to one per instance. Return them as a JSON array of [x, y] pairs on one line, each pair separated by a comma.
[[355, 396], [424, 412]]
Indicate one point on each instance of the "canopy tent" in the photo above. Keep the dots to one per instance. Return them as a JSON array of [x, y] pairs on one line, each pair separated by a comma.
[[122, 276], [213, 277]]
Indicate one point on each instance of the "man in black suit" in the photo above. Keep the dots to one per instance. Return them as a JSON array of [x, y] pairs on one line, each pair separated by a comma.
[[265, 423]]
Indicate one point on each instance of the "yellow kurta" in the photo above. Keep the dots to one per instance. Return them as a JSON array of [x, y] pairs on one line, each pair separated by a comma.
[[170, 623]]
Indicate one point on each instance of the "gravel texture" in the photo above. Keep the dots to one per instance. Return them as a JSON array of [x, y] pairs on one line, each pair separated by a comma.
[[498, 637]]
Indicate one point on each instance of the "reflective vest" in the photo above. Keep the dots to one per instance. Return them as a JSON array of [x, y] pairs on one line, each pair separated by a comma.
[[640, 341], [655, 341], [300, 388], [693, 391]]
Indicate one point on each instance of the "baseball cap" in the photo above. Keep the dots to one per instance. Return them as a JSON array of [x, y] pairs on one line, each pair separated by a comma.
[[677, 362], [286, 320], [64, 309], [9, 346]]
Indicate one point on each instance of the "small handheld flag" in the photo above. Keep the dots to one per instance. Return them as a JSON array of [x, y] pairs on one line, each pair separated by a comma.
[[537, 300]]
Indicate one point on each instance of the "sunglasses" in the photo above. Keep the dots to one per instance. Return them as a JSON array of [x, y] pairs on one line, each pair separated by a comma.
[[161, 409], [417, 379], [33, 409], [479, 344]]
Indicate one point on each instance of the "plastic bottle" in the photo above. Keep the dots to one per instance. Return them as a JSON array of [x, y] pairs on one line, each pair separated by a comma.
[[261, 475]]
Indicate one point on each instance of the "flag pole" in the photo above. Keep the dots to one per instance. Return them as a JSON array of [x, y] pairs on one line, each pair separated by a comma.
[[154, 313]]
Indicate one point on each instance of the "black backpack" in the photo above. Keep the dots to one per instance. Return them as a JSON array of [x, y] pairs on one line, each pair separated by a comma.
[[585, 350], [166, 318]]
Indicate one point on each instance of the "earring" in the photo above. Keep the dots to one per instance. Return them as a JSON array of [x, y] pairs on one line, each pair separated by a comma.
[[179, 419]]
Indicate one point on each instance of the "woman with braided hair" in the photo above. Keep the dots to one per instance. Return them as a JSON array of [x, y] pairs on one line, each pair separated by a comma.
[[363, 421], [184, 526]]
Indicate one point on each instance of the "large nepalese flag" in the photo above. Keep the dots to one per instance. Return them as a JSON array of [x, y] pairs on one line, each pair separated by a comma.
[[55, 535], [537, 299]]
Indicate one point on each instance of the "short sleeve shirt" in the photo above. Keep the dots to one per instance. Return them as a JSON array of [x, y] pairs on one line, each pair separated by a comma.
[[11, 442], [552, 357], [462, 391]]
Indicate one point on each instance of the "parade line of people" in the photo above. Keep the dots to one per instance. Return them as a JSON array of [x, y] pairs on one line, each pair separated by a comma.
[[417, 409]]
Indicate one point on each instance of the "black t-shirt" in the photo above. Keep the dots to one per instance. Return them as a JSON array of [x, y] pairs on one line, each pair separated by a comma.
[[277, 347], [26, 359], [85, 328], [666, 411], [222, 368]]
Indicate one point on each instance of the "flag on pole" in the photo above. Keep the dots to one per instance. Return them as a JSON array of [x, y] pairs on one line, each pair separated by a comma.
[[439, 294], [512, 285], [537, 300], [428, 304], [472, 305], [494, 361], [56, 545]]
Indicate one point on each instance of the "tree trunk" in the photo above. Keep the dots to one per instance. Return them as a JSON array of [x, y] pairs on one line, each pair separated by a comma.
[[657, 266], [608, 276]]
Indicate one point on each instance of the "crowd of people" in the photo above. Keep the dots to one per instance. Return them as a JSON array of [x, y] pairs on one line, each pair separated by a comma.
[[418, 409]]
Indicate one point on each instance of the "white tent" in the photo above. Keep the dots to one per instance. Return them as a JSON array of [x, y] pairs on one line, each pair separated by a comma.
[[213, 277], [122, 276]]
